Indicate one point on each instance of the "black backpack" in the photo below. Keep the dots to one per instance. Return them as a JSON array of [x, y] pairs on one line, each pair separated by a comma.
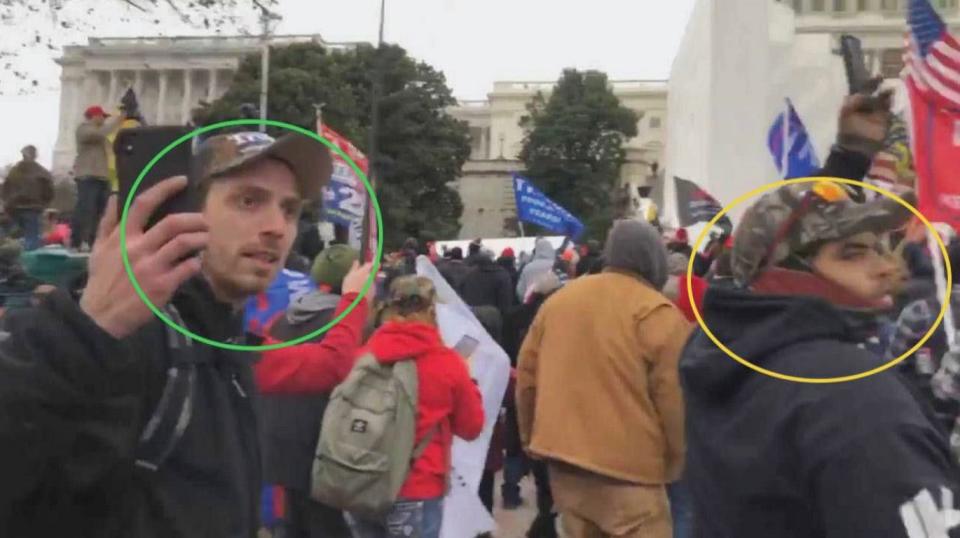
[[172, 414]]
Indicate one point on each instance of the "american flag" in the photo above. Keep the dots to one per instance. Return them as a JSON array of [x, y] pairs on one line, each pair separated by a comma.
[[932, 57]]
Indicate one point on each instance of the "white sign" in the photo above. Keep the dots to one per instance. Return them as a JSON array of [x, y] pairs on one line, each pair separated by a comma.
[[463, 514]]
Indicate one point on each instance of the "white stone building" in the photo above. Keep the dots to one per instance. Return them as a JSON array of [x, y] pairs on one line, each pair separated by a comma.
[[496, 139], [171, 76], [724, 94]]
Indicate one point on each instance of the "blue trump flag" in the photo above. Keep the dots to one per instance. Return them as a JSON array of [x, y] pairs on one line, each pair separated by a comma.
[[800, 159], [534, 207]]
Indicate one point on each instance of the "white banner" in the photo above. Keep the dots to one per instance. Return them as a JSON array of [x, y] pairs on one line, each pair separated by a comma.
[[464, 516]]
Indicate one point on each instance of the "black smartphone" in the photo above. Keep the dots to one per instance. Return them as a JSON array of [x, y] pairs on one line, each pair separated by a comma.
[[858, 78], [135, 148]]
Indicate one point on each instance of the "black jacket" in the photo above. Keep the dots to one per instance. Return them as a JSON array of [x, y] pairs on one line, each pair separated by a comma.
[[487, 284], [74, 402], [517, 323], [454, 272], [768, 458], [509, 264]]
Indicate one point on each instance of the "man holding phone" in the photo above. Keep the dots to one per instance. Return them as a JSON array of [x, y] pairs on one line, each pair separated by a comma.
[[112, 424]]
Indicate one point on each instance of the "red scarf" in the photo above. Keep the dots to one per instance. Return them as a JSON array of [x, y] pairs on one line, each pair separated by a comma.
[[779, 281]]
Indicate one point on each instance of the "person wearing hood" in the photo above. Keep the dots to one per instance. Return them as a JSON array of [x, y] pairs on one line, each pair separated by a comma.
[[290, 423], [487, 284], [608, 478], [544, 256], [448, 404], [770, 458]]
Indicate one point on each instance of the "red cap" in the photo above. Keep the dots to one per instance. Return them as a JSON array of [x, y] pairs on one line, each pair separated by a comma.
[[567, 255], [95, 110], [681, 235], [507, 253]]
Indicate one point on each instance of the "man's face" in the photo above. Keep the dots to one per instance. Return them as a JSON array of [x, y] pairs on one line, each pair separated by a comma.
[[858, 264], [252, 217], [98, 120], [30, 154]]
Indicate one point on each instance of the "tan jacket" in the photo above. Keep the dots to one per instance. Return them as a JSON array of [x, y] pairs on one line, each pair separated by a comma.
[[597, 380], [92, 148]]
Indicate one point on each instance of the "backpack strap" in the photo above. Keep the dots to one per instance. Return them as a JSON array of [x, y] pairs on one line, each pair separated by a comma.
[[421, 447], [172, 415]]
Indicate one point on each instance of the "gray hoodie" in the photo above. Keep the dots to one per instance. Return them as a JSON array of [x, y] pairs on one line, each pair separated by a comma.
[[544, 256]]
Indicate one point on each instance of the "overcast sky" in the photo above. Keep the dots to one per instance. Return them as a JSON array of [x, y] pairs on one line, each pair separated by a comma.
[[473, 42]]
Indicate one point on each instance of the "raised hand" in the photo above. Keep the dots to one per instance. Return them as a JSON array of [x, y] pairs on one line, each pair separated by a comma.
[[158, 257]]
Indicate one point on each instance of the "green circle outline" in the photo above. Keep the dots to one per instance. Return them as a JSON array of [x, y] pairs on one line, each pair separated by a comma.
[[226, 345]]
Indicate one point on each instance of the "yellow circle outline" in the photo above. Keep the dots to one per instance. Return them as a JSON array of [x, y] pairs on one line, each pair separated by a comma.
[[799, 379]]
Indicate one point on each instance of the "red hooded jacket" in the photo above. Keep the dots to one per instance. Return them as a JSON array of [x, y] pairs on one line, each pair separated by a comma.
[[449, 401], [314, 367]]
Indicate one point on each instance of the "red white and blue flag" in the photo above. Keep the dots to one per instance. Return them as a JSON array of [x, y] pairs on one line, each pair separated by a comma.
[[932, 73]]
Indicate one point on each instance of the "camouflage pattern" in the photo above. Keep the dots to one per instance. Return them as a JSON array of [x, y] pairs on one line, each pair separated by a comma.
[[828, 216], [411, 293], [308, 159]]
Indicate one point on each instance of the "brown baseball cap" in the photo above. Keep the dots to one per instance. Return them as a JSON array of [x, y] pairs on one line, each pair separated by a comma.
[[309, 160]]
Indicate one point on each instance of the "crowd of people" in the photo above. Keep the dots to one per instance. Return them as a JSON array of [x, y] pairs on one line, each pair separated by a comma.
[[631, 420]]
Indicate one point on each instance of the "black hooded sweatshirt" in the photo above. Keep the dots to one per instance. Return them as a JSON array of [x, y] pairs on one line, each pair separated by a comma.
[[769, 458]]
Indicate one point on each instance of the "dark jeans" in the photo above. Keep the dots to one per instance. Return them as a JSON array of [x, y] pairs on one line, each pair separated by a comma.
[[544, 525], [486, 489], [306, 518], [408, 519], [541, 477], [681, 510], [515, 465], [28, 221], [92, 195]]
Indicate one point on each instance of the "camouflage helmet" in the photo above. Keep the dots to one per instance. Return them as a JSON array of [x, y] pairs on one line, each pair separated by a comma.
[[790, 219], [411, 293]]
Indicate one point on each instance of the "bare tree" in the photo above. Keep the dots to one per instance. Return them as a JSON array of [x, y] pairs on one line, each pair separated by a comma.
[[34, 32]]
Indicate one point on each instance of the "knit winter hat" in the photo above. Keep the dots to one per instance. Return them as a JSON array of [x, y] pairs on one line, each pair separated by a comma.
[[635, 246], [331, 265]]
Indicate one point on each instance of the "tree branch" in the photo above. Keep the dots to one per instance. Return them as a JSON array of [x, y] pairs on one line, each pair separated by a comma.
[[130, 2], [181, 14]]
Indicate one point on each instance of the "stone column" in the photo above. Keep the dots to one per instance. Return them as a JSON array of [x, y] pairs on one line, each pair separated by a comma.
[[138, 83], [212, 86], [187, 102], [112, 96], [70, 116], [161, 98]]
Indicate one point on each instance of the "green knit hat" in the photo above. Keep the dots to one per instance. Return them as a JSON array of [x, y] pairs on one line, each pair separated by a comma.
[[331, 265]]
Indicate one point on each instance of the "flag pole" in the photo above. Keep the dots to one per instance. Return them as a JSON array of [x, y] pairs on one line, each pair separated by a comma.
[[520, 224], [940, 278], [366, 250], [784, 150]]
